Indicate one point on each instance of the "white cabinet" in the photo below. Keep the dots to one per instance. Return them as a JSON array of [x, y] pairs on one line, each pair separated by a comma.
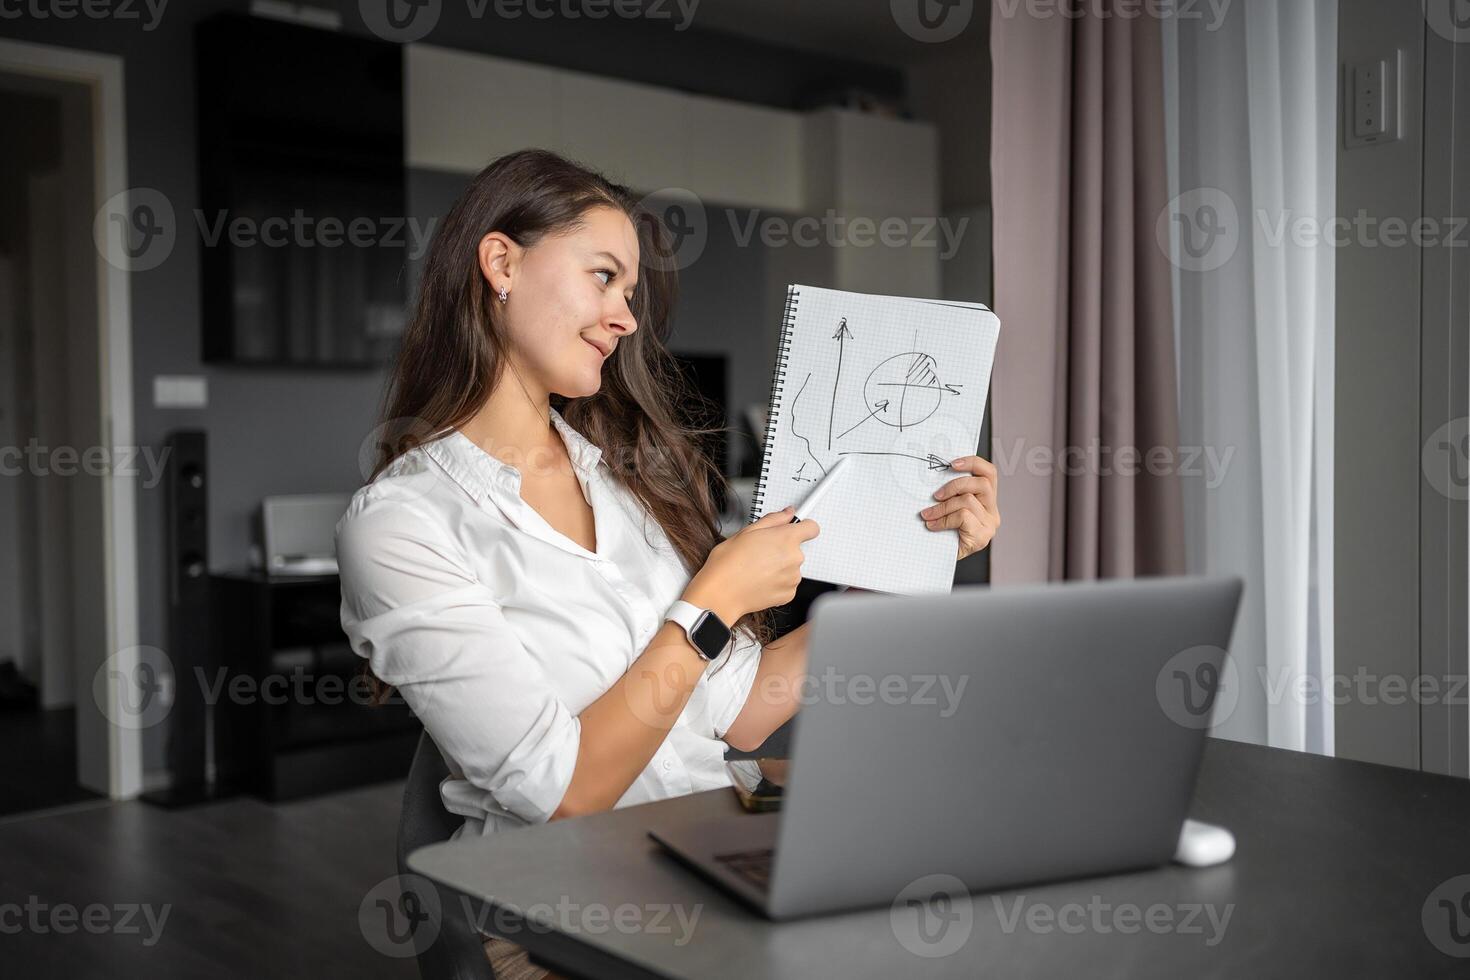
[[633, 133], [464, 110], [749, 156], [875, 184]]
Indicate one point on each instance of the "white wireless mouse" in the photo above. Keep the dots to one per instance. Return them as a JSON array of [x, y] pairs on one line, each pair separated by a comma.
[[1203, 844]]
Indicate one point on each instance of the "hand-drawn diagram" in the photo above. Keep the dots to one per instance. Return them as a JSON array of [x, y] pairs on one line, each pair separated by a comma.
[[900, 392]]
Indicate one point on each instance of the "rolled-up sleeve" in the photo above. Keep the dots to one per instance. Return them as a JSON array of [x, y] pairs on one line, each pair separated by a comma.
[[414, 611], [731, 682]]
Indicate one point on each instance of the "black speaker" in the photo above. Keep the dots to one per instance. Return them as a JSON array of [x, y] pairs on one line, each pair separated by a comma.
[[187, 509], [187, 591]]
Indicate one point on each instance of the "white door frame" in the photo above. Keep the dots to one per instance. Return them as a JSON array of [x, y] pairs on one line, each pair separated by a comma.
[[103, 75]]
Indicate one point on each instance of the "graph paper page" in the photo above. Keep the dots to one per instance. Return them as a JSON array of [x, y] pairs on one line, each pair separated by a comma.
[[899, 385]]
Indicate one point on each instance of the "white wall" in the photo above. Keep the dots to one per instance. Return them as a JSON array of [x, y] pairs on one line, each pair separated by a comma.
[[1444, 527], [1377, 394]]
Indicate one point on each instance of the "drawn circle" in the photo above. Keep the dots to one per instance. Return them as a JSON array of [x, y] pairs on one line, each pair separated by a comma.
[[1445, 459], [685, 226], [1446, 917], [400, 915], [400, 21], [1193, 692], [932, 21], [133, 688], [1208, 226], [135, 230], [932, 916], [903, 390], [909, 422]]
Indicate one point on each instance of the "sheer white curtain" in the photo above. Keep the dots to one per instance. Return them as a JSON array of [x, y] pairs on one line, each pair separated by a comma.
[[1251, 105]]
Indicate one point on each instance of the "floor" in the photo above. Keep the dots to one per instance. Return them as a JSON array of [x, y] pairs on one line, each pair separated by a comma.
[[238, 888], [44, 773]]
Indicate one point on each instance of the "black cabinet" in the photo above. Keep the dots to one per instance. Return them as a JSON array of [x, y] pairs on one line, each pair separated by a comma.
[[293, 712], [302, 225]]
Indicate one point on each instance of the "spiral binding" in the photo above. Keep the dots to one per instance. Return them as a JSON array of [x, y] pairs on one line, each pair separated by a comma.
[[778, 381]]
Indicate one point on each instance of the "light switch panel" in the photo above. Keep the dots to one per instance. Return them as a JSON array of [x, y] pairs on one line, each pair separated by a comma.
[[1371, 100], [1368, 99], [180, 391]]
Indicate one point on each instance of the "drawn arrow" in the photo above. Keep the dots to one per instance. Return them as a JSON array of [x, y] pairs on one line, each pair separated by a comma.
[[841, 337], [881, 406], [934, 462]]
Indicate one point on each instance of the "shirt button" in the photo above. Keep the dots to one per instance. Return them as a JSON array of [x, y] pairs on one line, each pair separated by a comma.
[[668, 764]]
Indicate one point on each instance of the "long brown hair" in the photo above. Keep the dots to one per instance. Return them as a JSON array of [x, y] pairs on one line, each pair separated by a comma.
[[454, 348]]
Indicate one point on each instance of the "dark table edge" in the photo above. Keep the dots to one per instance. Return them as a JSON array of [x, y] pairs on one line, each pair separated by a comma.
[[564, 953]]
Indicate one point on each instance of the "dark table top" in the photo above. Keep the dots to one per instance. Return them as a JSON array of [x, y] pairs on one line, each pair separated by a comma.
[[1342, 869], [259, 576]]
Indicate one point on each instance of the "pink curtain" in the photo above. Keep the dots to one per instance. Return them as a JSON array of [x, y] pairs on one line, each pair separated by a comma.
[[1085, 404]]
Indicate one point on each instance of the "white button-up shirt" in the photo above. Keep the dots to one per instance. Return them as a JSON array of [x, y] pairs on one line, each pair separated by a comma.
[[498, 630]]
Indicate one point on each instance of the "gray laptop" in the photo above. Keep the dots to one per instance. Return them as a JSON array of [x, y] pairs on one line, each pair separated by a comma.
[[1001, 736]]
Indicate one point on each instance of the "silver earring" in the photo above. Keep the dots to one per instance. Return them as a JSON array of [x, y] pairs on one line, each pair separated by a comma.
[[503, 293]]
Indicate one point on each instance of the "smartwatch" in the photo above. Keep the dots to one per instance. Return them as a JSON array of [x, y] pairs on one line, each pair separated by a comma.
[[707, 632]]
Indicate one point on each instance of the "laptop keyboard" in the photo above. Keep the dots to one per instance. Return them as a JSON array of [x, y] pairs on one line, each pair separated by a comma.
[[753, 866]]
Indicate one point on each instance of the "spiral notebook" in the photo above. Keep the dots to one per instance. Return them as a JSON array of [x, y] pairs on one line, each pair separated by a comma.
[[898, 384]]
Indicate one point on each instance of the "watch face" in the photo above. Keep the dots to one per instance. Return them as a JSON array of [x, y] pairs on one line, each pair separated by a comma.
[[710, 635]]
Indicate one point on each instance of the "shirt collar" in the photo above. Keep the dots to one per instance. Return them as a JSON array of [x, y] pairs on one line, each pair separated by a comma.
[[479, 471]]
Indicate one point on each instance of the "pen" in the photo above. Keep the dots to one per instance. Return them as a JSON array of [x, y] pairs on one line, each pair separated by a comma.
[[819, 491]]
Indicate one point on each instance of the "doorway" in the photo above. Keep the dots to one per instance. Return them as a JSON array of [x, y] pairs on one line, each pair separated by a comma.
[[51, 560], [68, 605]]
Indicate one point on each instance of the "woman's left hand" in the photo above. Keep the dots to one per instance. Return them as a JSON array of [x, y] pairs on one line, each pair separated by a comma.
[[967, 504]]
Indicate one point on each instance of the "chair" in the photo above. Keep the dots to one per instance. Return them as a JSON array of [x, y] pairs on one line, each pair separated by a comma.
[[453, 948], [776, 745]]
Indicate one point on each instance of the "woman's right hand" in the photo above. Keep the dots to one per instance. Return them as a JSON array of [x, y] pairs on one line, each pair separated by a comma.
[[756, 568]]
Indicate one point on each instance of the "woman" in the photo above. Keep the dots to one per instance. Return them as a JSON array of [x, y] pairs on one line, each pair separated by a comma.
[[536, 510]]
